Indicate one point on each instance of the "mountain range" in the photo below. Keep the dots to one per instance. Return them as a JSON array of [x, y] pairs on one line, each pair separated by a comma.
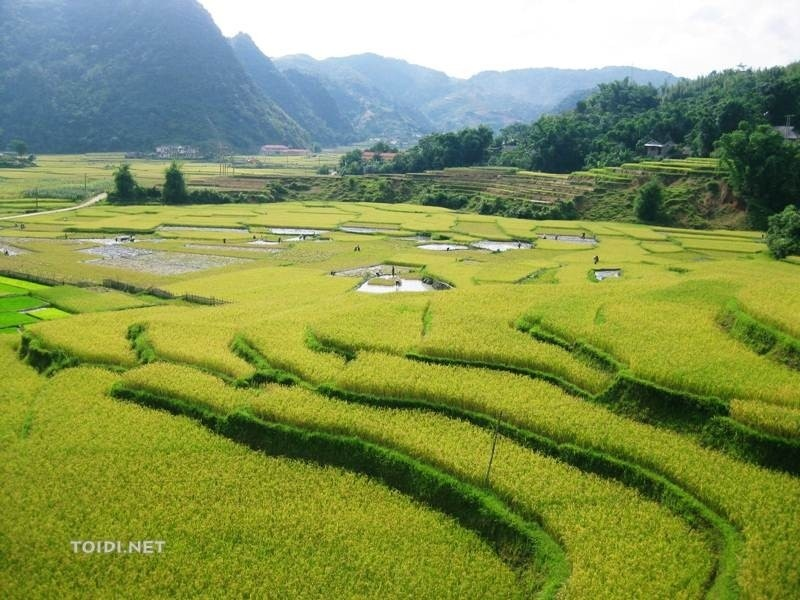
[[90, 75]]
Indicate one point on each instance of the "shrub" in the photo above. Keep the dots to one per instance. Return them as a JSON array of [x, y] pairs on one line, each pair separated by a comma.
[[783, 235], [648, 201], [125, 186], [174, 191], [445, 200]]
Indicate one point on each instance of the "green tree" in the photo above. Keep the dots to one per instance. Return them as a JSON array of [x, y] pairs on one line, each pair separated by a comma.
[[382, 147], [124, 184], [559, 143], [783, 235], [763, 168], [174, 191], [18, 146], [649, 200], [465, 148], [351, 163], [386, 191]]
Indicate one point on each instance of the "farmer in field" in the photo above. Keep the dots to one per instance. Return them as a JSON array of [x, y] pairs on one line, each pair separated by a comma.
[[596, 259]]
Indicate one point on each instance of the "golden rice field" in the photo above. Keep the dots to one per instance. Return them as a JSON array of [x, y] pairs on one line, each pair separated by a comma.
[[490, 425], [59, 181]]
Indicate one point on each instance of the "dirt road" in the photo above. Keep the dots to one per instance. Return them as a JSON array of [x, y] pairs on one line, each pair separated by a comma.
[[89, 202]]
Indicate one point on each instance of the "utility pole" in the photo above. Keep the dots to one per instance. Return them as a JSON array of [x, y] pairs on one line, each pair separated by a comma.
[[223, 167], [494, 446]]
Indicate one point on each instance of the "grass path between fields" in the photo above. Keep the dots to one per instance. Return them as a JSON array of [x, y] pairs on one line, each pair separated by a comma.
[[89, 202]]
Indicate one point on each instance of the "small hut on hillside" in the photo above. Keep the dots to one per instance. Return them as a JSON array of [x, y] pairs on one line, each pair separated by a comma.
[[656, 149]]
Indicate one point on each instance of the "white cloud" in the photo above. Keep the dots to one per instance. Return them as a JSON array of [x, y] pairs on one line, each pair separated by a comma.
[[467, 36]]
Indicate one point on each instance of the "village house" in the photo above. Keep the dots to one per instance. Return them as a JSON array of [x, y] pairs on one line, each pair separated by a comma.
[[789, 133], [656, 149]]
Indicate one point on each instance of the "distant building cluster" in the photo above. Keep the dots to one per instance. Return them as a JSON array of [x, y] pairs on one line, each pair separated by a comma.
[[177, 151], [280, 150]]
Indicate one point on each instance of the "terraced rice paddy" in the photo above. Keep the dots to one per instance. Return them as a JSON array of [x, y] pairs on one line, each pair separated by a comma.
[[523, 432], [501, 246], [23, 302]]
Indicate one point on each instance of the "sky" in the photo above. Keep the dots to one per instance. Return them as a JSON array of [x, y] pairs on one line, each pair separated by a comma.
[[463, 37]]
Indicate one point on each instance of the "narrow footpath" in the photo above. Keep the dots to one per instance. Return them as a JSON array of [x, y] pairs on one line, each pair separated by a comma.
[[89, 202]]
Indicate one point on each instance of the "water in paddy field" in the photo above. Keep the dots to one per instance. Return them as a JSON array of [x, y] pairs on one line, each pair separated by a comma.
[[262, 243], [293, 231], [208, 229], [501, 246], [373, 270], [608, 274], [229, 247], [116, 241], [443, 247], [365, 230], [160, 263], [6, 249], [573, 239], [406, 285]]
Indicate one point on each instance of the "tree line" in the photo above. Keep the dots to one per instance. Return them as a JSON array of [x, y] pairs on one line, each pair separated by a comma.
[[174, 190], [731, 115], [468, 147]]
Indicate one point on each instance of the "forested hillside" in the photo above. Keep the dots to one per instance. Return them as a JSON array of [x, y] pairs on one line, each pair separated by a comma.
[[301, 96], [611, 126], [86, 75], [436, 102], [82, 75]]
